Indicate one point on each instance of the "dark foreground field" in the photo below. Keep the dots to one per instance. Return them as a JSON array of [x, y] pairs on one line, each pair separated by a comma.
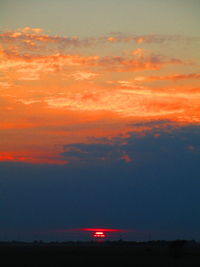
[[157, 253]]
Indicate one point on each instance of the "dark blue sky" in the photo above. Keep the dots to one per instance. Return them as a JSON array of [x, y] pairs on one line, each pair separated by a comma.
[[156, 194]]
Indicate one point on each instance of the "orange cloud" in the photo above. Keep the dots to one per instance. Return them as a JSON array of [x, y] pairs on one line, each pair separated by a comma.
[[174, 77], [30, 66], [139, 52], [84, 75], [150, 38], [112, 39], [30, 30], [36, 36]]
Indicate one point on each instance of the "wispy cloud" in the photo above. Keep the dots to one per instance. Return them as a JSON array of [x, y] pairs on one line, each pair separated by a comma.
[[37, 36], [84, 75], [29, 66], [150, 38], [174, 77]]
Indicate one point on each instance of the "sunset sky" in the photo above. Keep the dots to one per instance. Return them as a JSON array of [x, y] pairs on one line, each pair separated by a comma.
[[99, 117]]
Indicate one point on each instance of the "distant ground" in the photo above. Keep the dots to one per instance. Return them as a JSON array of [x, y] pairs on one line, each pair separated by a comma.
[[118, 253]]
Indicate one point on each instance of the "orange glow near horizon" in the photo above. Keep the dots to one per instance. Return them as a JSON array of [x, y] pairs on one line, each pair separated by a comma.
[[52, 96]]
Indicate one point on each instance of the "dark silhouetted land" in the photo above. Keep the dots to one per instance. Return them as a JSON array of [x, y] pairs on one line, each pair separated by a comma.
[[118, 253]]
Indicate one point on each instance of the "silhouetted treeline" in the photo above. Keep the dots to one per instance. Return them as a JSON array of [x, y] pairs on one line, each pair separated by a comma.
[[122, 253]]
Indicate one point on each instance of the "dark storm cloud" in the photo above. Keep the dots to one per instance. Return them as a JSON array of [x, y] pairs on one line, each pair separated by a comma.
[[148, 146]]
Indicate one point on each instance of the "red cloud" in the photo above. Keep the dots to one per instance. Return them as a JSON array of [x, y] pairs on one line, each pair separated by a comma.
[[126, 158]]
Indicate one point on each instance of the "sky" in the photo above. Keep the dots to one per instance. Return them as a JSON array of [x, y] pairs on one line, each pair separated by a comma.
[[99, 118]]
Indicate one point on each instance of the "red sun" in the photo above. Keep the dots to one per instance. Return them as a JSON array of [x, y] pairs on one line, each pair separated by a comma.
[[101, 233], [98, 234]]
